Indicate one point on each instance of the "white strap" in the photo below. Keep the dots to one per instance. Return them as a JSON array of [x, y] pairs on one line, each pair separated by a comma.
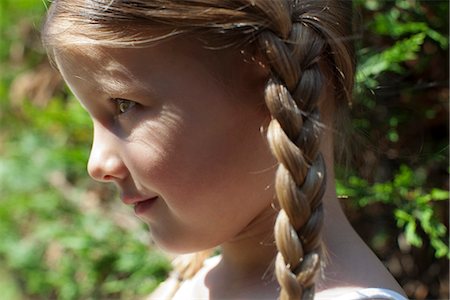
[[372, 294]]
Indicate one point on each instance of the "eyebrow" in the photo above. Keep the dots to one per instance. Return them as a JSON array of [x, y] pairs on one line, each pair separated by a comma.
[[112, 85], [117, 79]]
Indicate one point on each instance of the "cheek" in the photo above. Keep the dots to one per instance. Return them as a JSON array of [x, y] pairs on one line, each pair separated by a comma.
[[207, 156], [218, 170], [216, 154], [152, 149], [211, 170], [172, 154]]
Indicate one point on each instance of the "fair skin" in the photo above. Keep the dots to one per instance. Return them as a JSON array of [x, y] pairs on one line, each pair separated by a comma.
[[189, 154]]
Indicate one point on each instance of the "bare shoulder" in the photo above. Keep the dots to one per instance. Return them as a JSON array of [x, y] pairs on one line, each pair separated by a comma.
[[191, 288]]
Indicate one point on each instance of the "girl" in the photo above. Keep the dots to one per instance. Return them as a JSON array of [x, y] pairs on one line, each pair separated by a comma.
[[215, 119]]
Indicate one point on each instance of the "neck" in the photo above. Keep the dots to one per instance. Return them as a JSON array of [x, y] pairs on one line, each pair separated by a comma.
[[254, 249], [247, 261], [335, 221]]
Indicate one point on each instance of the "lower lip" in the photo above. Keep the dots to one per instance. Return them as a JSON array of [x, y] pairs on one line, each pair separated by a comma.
[[144, 206]]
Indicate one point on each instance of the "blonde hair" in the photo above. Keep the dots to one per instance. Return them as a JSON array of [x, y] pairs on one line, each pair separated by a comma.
[[302, 41]]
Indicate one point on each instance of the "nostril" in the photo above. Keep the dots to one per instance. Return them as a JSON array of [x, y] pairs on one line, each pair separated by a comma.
[[108, 178]]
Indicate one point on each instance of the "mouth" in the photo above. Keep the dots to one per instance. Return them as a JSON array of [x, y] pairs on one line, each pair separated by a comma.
[[141, 207], [141, 204], [133, 200]]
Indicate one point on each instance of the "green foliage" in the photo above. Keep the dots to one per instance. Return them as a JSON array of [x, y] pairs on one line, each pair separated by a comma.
[[412, 205], [401, 41], [409, 37]]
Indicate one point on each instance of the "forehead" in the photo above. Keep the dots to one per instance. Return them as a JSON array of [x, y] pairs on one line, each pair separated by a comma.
[[162, 66], [123, 57], [111, 72], [112, 67]]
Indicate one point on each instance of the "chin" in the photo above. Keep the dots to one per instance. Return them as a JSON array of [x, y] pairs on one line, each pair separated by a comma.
[[180, 245]]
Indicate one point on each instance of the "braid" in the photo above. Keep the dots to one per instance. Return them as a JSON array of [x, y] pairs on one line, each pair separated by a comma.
[[292, 95]]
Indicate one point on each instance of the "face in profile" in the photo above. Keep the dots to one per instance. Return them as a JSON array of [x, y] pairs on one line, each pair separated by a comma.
[[177, 128]]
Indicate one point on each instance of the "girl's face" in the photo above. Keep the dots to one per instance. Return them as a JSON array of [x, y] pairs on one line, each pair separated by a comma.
[[177, 129]]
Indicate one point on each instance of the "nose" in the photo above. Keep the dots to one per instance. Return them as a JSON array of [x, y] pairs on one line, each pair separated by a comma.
[[105, 163]]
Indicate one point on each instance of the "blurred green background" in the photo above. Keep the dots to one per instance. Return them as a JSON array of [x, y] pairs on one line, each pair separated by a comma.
[[62, 236]]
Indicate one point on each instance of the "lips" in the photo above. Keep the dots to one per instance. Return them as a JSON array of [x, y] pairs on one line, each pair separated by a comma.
[[141, 204], [142, 207], [133, 200]]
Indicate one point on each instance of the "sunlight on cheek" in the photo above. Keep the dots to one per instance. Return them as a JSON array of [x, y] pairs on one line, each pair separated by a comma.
[[157, 137]]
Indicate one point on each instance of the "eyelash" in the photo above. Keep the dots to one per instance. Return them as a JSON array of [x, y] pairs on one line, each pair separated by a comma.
[[123, 105]]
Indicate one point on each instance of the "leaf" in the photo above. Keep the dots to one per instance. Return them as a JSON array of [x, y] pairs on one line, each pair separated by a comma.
[[402, 217], [411, 235], [404, 177], [389, 59], [441, 248], [439, 195]]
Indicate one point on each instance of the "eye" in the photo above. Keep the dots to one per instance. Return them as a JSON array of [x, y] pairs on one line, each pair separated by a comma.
[[123, 105]]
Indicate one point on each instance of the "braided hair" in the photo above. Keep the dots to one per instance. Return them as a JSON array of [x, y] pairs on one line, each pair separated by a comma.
[[305, 45]]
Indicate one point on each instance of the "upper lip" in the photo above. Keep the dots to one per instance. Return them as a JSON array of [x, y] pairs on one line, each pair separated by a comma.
[[130, 199]]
